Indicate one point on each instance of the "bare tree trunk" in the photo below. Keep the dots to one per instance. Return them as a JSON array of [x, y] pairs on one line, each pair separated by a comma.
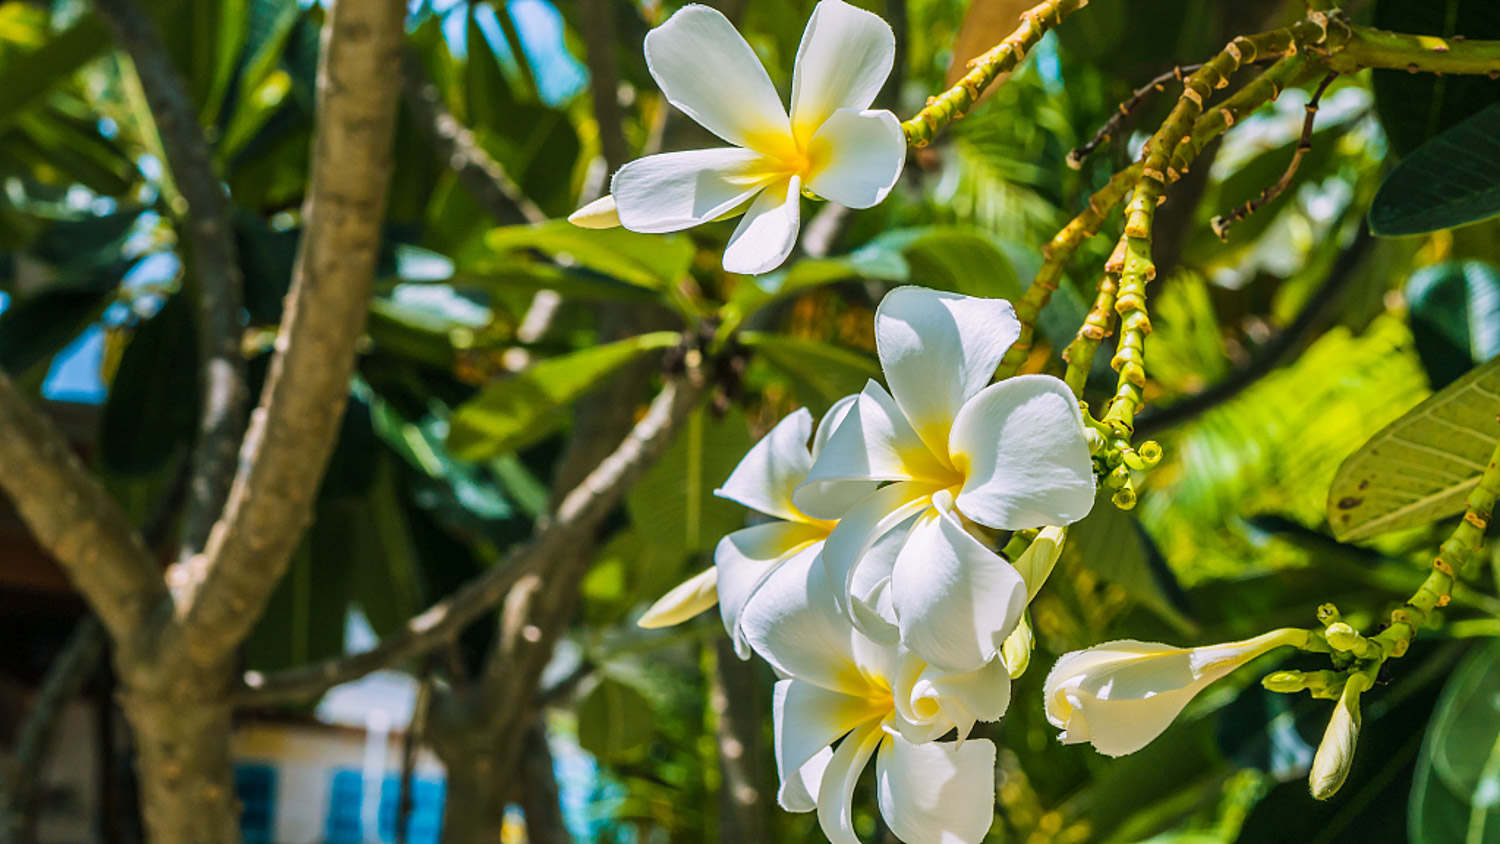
[[182, 753], [736, 699], [540, 802]]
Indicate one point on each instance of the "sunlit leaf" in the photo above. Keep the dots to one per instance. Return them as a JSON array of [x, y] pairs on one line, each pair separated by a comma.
[[648, 260], [1419, 468], [673, 505]]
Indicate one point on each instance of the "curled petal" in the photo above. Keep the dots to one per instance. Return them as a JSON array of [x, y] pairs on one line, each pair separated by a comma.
[[765, 478], [857, 156], [865, 524], [687, 599], [711, 74], [938, 792], [1026, 463], [956, 601], [676, 190], [947, 699], [845, 57], [938, 349], [768, 231]]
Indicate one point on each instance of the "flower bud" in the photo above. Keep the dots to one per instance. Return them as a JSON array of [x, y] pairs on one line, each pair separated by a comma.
[[1284, 682], [1017, 648], [687, 599], [599, 214], [1330, 766], [1119, 696], [1342, 636], [1037, 561]]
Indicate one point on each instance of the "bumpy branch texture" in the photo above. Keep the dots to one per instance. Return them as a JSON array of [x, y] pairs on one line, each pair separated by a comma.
[[580, 511], [216, 281], [221, 592], [74, 518]]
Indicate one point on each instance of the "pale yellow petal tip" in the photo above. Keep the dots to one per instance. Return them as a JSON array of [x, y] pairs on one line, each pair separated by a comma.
[[599, 214], [689, 598]]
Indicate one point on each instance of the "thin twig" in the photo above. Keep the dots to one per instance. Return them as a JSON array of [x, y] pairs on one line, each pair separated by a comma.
[[1222, 223], [479, 173], [1123, 111], [216, 280], [588, 503]]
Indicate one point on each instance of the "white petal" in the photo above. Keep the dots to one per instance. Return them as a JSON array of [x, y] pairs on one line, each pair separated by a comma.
[[856, 156], [773, 467], [834, 498], [831, 421], [807, 719], [937, 792], [799, 792], [956, 600], [686, 600], [708, 71], [870, 604], [937, 350], [878, 514], [836, 792], [794, 624], [959, 699], [743, 561], [1036, 563], [599, 214], [1022, 448], [768, 231], [675, 190], [845, 56], [873, 443]]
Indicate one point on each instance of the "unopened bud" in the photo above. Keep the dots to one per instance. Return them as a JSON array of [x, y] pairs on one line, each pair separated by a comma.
[[1335, 755], [1284, 682], [1342, 636], [1017, 648]]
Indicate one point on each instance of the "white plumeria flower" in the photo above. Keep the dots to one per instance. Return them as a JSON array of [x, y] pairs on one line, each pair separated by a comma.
[[832, 144], [1006, 456], [1119, 696], [763, 481], [841, 684]]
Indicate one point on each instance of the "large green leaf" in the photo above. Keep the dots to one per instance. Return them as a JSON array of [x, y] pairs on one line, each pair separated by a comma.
[[673, 505], [1454, 311], [823, 372], [1420, 467], [1456, 793], [614, 721], [523, 408], [1448, 181], [30, 74], [1416, 106], [1110, 542], [646, 260]]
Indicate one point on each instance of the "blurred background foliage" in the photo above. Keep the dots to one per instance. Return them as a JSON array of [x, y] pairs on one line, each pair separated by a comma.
[[484, 332]]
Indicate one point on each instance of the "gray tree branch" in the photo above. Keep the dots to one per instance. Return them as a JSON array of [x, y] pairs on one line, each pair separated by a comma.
[[292, 432], [209, 228], [580, 511], [75, 519]]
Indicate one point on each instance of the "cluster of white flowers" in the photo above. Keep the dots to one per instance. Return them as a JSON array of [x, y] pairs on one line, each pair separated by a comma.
[[874, 589], [874, 585]]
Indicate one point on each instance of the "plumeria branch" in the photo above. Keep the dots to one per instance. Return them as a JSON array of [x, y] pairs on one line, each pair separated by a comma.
[[581, 509], [1122, 113], [1003, 57]]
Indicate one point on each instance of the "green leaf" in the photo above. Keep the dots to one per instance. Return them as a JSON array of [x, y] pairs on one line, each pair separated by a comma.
[[614, 721], [1419, 468], [521, 409], [1456, 793], [152, 407], [1416, 106], [1449, 181], [673, 505], [1454, 310], [652, 261], [873, 261], [825, 372]]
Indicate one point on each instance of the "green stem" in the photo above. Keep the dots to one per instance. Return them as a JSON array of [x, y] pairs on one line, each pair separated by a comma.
[[1370, 47], [1461, 547], [956, 101]]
